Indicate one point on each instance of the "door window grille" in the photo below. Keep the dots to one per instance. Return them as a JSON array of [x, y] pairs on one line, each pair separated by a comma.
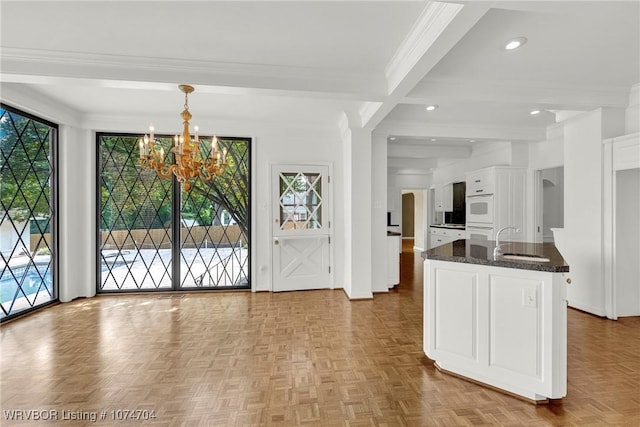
[[300, 201]]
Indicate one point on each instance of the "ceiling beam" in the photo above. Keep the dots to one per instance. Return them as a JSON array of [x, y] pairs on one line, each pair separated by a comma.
[[412, 163], [436, 32], [33, 65], [534, 93], [424, 151], [462, 131]]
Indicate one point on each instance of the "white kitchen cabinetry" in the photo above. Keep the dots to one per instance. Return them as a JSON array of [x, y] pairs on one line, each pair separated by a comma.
[[505, 188], [447, 198], [437, 201], [504, 327], [510, 202], [444, 198], [441, 236], [481, 182]]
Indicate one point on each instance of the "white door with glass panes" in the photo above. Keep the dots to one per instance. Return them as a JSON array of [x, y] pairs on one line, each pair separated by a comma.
[[301, 236]]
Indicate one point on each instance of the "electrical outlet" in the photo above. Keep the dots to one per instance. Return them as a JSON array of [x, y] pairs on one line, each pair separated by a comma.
[[529, 297]]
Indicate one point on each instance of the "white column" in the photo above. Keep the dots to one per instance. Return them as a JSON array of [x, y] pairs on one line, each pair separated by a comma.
[[379, 213], [77, 213], [581, 242], [357, 201]]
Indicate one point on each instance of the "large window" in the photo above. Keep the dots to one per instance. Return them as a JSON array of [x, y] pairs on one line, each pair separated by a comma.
[[27, 212], [153, 236]]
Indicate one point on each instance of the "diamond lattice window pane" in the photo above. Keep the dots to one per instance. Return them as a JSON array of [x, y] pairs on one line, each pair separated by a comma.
[[26, 212], [136, 221], [300, 201], [135, 217], [215, 225]]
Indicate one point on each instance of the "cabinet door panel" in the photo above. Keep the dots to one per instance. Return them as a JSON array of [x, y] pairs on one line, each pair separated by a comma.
[[455, 316]]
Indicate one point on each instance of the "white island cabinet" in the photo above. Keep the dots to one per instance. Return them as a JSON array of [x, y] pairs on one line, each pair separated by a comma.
[[497, 321]]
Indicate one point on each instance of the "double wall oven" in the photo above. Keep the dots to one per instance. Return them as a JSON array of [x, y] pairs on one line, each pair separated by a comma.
[[480, 217]]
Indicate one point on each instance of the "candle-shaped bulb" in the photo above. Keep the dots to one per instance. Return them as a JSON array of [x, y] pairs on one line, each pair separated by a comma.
[[214, 143], [146, 139], [213, 151], [162, 152], [141, 144], [151, 130], [224, 156], [196, 136]]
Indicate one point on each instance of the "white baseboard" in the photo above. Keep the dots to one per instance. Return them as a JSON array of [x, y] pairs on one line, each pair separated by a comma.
[[587, 308]]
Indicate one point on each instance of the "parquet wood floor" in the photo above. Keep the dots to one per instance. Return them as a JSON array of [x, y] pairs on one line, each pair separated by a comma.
[[296, 358]]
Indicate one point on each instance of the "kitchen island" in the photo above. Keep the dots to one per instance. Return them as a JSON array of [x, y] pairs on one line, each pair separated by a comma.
[[498, 320]]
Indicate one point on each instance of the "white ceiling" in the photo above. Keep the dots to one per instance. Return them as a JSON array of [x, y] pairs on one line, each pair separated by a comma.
[[380, 62]]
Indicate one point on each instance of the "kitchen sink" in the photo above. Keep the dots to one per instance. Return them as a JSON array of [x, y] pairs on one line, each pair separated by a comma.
[[520, 257]]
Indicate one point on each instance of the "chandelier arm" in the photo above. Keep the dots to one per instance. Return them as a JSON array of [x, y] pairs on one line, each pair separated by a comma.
[[187, 162], [164, 171]]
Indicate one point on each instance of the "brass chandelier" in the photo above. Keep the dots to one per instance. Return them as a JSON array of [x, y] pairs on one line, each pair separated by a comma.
[[186, 152]]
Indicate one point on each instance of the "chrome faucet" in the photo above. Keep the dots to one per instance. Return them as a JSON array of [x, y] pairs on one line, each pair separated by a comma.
[[497, 251]]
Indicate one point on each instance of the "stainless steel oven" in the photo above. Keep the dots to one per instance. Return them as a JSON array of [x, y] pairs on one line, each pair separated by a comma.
[[480, 209]]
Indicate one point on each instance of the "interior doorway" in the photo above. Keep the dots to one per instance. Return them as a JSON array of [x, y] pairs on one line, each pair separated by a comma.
[[415, 217], [408, 216], [550, 212]]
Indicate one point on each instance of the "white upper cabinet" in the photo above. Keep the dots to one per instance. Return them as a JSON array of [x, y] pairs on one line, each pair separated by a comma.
[[444, 198], [481, 182], [508, 187]]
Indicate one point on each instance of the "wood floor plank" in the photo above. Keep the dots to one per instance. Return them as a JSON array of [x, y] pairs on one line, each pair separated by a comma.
[[310, 358]]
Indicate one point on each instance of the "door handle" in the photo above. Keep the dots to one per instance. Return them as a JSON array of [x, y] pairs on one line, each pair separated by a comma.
[[276, 241]]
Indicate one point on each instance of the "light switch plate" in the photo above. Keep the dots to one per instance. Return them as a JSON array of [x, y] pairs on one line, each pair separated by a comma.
[[529, 297]]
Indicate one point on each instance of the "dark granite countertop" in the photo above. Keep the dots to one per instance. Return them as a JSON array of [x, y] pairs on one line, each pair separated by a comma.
[[393, 233], [481, 252], [451, 226]]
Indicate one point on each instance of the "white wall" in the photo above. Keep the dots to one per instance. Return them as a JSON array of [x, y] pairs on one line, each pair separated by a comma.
[[632, 115], [271, 147], [581, 240], [419, 219], [549, 153], [627, 225], [482, 156], [552, 201], [77, 146], [379, 214], [357, 154]]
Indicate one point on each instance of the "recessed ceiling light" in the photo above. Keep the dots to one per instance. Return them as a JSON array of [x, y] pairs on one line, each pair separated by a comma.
[[534, 112], [433, 140], [431, 107], [472, 140], [515, 43], [392, 138]]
